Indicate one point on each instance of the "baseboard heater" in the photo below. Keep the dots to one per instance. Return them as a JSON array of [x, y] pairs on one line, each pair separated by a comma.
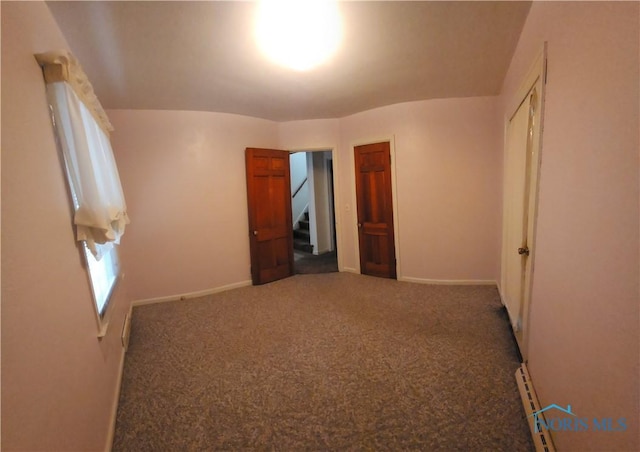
[[541, 439]]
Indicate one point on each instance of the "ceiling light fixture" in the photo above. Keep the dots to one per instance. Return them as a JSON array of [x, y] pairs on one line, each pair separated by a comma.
[[298, 34]]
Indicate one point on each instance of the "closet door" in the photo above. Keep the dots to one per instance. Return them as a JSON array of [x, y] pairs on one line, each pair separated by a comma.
[[521, 168], [375, 210]]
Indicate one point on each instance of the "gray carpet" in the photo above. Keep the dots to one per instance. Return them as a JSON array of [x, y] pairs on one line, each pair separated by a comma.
[[331, 361], [308, 264]]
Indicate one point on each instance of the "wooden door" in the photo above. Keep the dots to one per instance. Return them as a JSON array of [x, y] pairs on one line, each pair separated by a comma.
[[270, 224], [375, 210]]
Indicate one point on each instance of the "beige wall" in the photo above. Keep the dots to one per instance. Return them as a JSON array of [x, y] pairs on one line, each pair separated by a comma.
[[584, 310], [183, 177], [58, 379]]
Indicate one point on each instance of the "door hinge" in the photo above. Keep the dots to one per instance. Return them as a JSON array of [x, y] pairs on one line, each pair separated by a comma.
[[546, 67]]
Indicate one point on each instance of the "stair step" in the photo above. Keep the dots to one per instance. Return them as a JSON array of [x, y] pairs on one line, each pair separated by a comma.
[[302, 234], [306, 215], [304, 224], [302, 245]]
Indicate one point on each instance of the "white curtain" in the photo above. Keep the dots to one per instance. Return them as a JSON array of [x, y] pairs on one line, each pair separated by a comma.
[[101, 212]]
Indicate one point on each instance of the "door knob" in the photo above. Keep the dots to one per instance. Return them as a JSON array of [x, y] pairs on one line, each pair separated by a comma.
[[359, 225], [524, 251], [255, 232]]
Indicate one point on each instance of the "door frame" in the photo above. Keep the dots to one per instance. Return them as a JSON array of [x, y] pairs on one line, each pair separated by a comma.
[[353, 208], [538, 70], [336, 189]]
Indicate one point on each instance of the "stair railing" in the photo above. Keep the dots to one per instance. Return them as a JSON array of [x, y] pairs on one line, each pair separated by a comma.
[[297, 190]]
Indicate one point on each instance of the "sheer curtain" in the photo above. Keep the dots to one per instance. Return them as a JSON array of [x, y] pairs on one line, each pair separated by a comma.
[[101, 211], [82, 127]]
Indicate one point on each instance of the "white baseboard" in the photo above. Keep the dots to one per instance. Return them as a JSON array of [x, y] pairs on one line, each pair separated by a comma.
[[197, 294], [449, 282], [349, 270]]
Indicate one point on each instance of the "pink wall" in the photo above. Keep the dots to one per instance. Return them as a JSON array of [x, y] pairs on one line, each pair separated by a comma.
[[183, 176], [309, 134], [448, 164], [58, 379], [584, 343]]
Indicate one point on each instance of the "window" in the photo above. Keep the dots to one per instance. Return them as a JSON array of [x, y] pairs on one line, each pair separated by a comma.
[[100, 210], [103, 274]]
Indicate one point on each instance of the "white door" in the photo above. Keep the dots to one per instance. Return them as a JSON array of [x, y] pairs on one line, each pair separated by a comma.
[[522, 162]]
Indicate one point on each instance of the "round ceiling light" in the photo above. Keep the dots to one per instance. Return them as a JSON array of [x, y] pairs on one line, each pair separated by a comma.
[[298, 34]]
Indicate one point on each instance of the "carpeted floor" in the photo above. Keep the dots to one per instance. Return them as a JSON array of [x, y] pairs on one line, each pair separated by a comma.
[[307, 263], [331, 361]]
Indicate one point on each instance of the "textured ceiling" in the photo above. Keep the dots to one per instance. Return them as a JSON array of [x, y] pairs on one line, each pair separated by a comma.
[[201, 56]]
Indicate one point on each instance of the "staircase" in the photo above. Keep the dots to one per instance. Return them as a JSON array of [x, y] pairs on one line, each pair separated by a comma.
[[301, 236]]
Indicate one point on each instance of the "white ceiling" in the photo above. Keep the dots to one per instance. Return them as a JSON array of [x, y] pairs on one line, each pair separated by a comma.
[[184, 55]]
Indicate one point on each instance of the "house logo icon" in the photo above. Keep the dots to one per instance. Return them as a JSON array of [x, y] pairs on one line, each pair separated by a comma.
[[553, 406]]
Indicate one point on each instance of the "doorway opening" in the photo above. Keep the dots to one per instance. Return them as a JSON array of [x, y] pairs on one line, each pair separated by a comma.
[[313, 211]]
